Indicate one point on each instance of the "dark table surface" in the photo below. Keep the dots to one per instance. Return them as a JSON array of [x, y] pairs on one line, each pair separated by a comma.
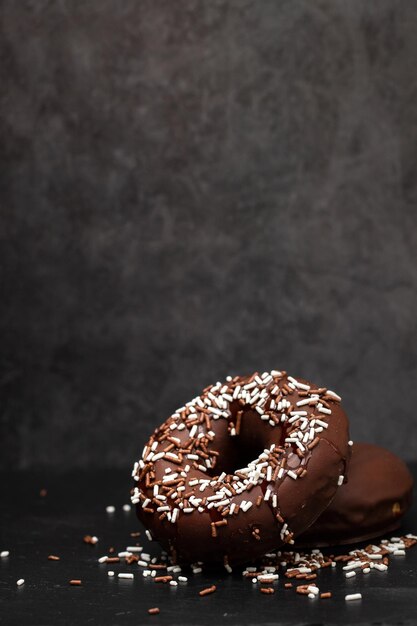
[[33, 527]]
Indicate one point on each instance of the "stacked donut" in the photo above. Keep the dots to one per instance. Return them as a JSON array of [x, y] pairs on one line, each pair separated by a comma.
[[248, 465]]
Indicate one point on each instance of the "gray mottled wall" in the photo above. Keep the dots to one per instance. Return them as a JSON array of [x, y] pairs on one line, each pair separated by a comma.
[[195, 188]]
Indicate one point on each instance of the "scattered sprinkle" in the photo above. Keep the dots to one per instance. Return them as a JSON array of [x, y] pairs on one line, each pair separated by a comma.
[[20, 582], [207, 590], [353, 596]]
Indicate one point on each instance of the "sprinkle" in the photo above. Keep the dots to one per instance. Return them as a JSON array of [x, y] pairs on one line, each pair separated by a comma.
[[350, 442], [125, 575], [90, 539], [126, 508], [134, 549], [4, 554], [20, 582], [148, 535], [153, 611], [162, 579], [76, 582], [110, 509], [340, 480], [53, 557], [110, 573], [326, 594], [353, 596], [399, 553], [350, 574], [267, 590], [333, 394], [173, 583], [183, 579], [102, 559], [207, 590]]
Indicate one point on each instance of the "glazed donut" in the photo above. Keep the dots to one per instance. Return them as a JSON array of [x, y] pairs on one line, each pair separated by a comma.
[[372, 503], [242, 468]]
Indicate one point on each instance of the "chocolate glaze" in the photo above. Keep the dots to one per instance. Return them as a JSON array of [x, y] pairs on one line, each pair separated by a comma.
[[300, 501], [371, 503]]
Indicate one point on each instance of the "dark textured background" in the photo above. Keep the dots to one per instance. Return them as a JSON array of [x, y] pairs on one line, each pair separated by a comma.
[[195, 188]]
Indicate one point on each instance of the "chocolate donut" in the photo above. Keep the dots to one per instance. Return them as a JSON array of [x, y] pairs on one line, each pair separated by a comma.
[[242, 468], [372, 503]]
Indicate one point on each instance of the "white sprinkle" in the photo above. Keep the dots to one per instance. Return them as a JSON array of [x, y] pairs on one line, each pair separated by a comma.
[[375, 557], [102, 559], [314, 590], [143, 563], [340, 480], [323, 409], [183, 579], [353, 565], [292, 474], [311, 596], [20, 582], [123, 554], [173, 583], [350, 442], [399, 553], [350, 574], [268, 576], [122, 575], [148, 535], [228, 568], [134, 548], [303, 402], [353, 596], [4, 553], [381, 567], [333, 394], [110, 509], [197, 570], [366, 570]]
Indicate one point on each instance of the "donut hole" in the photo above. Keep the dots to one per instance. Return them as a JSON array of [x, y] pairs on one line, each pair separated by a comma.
[[237, 452], [240, 457]]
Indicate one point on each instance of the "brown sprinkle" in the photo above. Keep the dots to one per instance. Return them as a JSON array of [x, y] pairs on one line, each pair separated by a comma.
[[162, 579], [267, 590], [153, 611], [288, 585], [53, 557], [207, 590], [75, 582], [326, 594]]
